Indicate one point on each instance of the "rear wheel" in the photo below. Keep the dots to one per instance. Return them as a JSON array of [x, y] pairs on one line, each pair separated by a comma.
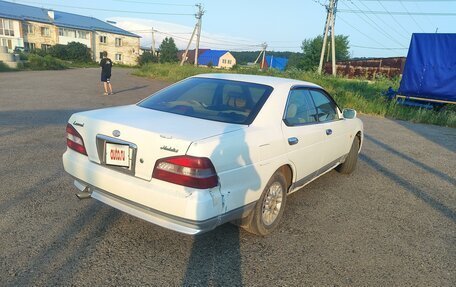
[[269, 208], [349, 165]]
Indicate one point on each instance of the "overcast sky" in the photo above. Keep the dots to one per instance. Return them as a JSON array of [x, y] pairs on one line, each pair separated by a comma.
[[244, 25]]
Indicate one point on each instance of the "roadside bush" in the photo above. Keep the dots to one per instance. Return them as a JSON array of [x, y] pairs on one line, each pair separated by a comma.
[[58, 51], [78, 52], [23, 56], [36, 62], [4, 67], [39, 52], [147, 57], [73, 51]]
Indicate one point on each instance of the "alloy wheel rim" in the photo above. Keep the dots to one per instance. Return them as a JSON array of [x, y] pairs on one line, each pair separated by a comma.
[[272, 204]]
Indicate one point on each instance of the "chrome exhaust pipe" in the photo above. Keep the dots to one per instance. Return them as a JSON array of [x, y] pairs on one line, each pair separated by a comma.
[[85, 194]]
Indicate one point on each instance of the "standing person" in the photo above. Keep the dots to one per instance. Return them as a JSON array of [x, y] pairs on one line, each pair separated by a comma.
[[106, 65]]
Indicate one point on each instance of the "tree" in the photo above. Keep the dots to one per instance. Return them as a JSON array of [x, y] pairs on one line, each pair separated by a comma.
[[311, 49], [147, 57], [296, 61], [168, 51]]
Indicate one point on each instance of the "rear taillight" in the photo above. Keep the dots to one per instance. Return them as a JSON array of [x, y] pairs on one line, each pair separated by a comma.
[[74, 140], [197, 172]]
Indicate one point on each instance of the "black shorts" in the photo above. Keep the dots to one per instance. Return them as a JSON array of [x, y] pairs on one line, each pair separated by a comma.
[[105, 78]]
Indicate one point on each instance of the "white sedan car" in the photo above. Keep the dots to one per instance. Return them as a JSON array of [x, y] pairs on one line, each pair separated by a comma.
[[211, 149]]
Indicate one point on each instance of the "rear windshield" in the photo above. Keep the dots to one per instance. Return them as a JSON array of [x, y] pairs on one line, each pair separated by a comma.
[[211, 99]]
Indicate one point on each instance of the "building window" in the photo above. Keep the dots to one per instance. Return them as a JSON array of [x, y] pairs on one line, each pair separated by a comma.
[[45, 31], [118, 57], [67, 32], [103, 39], [118, 42], [83, 34], [229, 62], [6, 27], [28, 28], [223, 61], [6, 43], [29, 46], [45, 47]]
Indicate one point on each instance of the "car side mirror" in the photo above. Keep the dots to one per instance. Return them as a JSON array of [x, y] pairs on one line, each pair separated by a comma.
[[349, 113]]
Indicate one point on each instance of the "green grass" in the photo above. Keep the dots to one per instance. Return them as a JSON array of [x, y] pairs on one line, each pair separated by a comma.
[[363, 95]]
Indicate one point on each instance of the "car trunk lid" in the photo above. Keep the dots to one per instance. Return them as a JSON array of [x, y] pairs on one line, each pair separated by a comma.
[[146, 135]]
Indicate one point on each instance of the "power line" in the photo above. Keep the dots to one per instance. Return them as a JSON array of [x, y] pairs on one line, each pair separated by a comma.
[[376, 48], [365, 35], [409, 0], [230, 42], [376, 26], [394, 18], [386, 23], [155, 30], [111, 10], [398, 13], [413, 18], [207, 42], [320, 3], [427, 17], [155, 3]]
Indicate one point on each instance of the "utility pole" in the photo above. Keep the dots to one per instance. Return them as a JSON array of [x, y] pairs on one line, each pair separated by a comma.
[[264, 46], [329, 28], [198, 16], [153, 42], [333, 47], [196, 30], [184, 56]]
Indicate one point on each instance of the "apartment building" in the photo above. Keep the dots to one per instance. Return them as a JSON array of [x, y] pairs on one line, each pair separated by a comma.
[[29, 27]]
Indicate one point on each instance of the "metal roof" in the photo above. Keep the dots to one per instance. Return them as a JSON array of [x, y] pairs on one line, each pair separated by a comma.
[[61, 19], [211, 56]]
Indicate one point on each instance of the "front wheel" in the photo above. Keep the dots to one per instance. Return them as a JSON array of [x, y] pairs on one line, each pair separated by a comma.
[[348, 166], [269, 208]]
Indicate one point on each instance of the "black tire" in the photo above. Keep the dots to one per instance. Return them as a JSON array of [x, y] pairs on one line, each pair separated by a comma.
[[349, 165], [261, 221]]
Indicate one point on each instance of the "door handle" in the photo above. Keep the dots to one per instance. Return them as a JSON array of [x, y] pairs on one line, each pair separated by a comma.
[[329, 132], [292, 141]]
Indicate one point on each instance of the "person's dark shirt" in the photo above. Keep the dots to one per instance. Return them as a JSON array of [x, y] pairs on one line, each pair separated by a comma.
[[106, 65]]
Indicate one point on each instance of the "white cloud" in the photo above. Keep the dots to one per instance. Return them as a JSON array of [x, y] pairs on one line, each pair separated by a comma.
[[181, 35]]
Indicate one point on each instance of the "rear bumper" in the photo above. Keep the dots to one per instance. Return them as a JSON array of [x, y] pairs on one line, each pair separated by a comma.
[[178, 209], [162, 219]]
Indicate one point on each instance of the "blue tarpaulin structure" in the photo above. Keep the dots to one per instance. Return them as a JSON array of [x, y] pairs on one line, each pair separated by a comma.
[[430, 68], [211, 57], [276, 62]]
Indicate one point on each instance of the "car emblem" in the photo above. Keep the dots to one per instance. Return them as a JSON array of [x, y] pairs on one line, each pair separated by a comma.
[[171, 149], [116, 133], [78, 124]]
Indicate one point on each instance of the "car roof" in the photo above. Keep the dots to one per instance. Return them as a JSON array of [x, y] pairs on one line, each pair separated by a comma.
[[263, 80]]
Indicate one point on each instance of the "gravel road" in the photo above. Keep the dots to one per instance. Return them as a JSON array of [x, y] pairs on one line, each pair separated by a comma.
[[392, 222]]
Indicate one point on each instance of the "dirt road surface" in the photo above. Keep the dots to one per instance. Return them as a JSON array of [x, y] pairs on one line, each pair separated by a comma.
[[392, 222]]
